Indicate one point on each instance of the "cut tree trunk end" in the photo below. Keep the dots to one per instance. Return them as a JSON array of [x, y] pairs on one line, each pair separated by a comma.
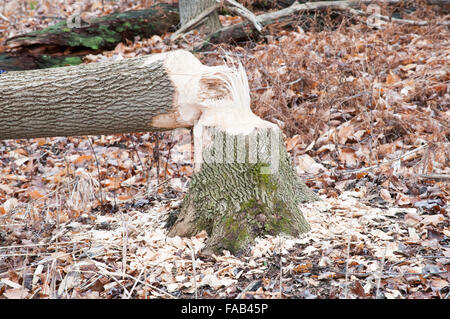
[[245, 185], [153, 92]]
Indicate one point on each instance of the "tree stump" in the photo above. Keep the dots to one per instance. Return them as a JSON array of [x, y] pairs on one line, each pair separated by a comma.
[[244, 185]]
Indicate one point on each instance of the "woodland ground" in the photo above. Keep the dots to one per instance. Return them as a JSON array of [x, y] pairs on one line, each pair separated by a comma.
[[365, 113]]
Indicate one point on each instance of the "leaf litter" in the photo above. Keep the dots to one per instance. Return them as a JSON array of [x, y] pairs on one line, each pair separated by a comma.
[[365, 116]]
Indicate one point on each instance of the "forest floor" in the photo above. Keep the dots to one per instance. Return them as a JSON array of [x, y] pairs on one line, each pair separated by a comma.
[[365, 113]]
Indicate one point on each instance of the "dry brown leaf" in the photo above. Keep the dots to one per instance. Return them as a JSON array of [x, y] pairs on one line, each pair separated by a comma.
[[402, 199], [412, 219], [306, 164], [345, 132], [348, 156], [384, 193], [292, 142], [392, 78], [432, 220], [216, 283], [34, 194]]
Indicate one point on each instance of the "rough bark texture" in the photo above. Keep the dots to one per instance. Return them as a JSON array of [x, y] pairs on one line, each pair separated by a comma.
[[189, 9], [130, 95], [246, 187], [63, 44]]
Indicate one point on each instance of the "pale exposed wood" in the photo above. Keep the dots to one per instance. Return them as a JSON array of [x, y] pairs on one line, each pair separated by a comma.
[[160, 91]]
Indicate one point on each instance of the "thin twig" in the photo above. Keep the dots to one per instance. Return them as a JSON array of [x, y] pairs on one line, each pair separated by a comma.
[[249, 287], [434, 176], [98, 171], [346, 265], [242, 11], [104, 271], [392, 19], [52, 274], [124, 288], [24, 276], [124, 245], [3, 17], [194, 269], [35, 292], [156, 155], [135, 283], [377, 295], [285, 84], [365, 169]]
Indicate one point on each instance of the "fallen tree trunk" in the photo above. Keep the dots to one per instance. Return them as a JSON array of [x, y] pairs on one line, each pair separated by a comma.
[[130, 95], [66, 44], [244, 184]]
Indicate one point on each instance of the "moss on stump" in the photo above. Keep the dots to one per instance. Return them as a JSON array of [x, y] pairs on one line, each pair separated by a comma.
[[246, 187]]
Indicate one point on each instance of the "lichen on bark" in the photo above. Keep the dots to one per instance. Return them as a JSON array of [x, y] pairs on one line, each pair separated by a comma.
[[252, 191]]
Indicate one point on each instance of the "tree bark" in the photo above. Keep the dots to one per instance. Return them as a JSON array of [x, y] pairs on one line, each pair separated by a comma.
[[66, 44], [130, 95], [244, 31], [246, 188], [189, 9], [244, 184]]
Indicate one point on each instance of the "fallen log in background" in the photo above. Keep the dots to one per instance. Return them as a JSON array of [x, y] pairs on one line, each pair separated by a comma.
[[130, 95], [60, 45]]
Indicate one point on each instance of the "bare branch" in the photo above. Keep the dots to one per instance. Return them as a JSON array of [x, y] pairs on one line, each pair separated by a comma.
[[194, 22], [242, 11]]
